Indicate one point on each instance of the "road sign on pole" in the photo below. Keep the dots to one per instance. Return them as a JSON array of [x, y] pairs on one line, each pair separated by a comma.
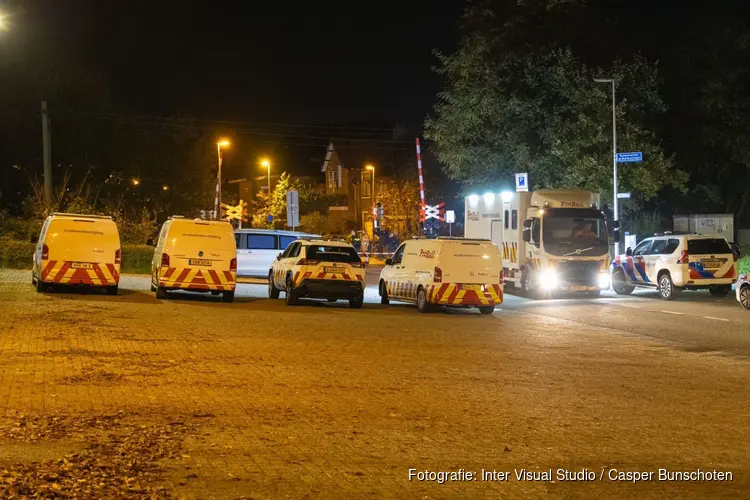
[[292, 209], [629, 157], [522, 182], [623, 196], [450, 218]]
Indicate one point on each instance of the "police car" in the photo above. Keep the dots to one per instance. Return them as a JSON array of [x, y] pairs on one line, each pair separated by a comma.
[[319, 269], [672, 262]]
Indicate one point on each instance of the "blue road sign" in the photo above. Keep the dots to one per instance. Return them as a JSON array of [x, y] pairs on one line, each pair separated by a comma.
[[629, 157], [270, 218]]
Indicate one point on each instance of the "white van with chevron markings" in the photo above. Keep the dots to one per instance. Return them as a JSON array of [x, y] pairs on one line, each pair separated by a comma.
[[454, 272]]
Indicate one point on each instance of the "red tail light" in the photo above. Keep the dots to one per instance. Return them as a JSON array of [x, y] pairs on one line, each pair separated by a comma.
[[165, 260], [437, 275], [683, 258], [233, 265], [118, 256], [307, 262], [358, 264], [45, 252]]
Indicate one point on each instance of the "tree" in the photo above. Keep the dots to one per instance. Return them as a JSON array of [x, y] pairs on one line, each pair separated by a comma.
[[542, 113], [400, 200]]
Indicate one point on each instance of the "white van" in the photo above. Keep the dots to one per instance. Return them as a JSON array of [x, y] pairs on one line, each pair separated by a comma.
[[194, 255], [454, 272], [75, 249], [257, 249]]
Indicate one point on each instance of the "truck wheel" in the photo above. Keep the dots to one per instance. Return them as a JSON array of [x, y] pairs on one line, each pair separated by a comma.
[[620, 285], [161, 292], [422, 305], [291, 295], [527, 288], [720, 291], [273, 292], [227, 297], [667, 290], [487, 309], [384, 293], [745, 297]]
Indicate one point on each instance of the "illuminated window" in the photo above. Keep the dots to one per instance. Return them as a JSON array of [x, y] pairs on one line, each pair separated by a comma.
[[366, 184]]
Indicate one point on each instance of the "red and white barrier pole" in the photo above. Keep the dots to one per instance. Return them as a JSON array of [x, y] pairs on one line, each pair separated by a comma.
[[421, 179]]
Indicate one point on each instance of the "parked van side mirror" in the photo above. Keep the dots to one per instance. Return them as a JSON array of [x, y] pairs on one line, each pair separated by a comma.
[[388, 262], [150, 242], [34, 239], [629, 252]]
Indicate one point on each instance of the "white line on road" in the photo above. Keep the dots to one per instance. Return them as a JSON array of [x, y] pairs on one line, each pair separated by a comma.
[[629, 306], [671, 312], [717, 319]]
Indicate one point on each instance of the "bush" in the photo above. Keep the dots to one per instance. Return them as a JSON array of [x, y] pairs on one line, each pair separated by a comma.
[[136, 259], [16, 254]]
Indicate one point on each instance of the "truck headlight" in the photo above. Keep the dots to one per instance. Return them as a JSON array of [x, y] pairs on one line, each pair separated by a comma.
[[549, 280], [604, 281]]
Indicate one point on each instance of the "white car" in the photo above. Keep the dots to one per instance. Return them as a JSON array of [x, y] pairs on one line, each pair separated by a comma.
[[318, 269], [453, 272], [671, 263], [743, 291], [258, 248]]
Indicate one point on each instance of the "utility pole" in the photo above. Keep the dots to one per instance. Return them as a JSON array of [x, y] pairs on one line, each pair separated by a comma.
[[47, 156], [614, 153]]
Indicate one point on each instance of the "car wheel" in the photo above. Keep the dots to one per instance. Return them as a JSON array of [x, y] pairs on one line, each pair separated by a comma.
[[227, 297], [745, 297], [384, 293], [720, 291], [667, 290], [487, 309], [111, 290], [291, 295], [422, 305], [356, 302], [273, 292], [620, 284], [40, 286], [161, 292]]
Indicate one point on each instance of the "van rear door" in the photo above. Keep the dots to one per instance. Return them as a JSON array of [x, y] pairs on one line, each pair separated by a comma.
[[201, 245], [82, 240], [470, 262]]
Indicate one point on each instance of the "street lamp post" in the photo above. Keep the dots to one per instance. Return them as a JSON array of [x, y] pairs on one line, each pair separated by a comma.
[[266, 163], [614, 153], [217, 201], [372, 194]]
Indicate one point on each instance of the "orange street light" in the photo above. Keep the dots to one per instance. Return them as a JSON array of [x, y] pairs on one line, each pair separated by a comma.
[[267, 163], [135, 182], [165, 188]]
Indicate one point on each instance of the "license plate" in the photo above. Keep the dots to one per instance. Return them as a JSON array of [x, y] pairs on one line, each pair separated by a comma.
[[81, 265], [473, 288], [334, 270], [711, 264], [199, 262]]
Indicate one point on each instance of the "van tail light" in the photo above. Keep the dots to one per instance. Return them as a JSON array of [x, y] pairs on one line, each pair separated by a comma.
[[307, 262], [359, 263], [165, 260], [683, 258], [233, 265], [118, 256], [45, 252], [437, 275]]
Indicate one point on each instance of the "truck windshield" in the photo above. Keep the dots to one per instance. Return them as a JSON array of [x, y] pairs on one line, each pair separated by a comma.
[[573, 234]]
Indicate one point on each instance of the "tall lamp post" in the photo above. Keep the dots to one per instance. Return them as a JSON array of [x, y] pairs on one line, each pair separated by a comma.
[[614, 153], [266, 163], [371, 168], [217, 202]]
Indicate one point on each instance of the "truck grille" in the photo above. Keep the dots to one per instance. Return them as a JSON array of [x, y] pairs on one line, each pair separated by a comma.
[[579, 273]]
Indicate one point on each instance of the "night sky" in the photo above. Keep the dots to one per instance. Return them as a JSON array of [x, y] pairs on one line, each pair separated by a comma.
[[277, 61]]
